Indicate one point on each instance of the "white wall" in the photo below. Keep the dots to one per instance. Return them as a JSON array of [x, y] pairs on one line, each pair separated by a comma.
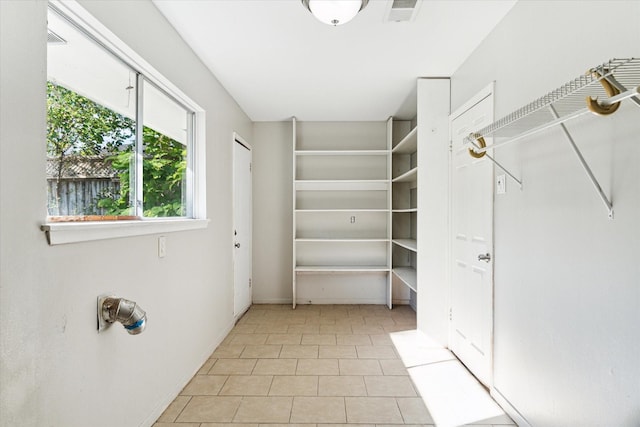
[[273, 216], [433, 220], [567, 279], [55, 369]]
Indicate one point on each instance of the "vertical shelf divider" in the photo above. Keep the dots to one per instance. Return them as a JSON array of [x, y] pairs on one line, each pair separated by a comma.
[[404, 210], [295, 208]]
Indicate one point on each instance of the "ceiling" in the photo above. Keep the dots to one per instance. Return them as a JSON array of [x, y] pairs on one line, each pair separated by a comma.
[[278, 61]]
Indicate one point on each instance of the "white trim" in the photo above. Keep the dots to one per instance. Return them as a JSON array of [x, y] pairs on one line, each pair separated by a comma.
[[242, 141], [60, 233], [272, 301], [345, 301], [389, 208], [486, 91], [508, 408], [74, 232], [237, 139], [294, 225], [199, 164], [73, 10]]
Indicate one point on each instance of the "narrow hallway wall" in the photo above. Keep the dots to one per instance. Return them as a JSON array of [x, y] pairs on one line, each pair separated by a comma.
[[567, 294]]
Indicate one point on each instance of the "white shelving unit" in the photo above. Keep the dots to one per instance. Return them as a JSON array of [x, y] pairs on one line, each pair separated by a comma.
[[404, 206], [410, 244], [409, 176], [408, 276], [341, 213]]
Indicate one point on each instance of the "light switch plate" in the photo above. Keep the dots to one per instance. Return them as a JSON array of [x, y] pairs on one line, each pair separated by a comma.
[[501, 184]]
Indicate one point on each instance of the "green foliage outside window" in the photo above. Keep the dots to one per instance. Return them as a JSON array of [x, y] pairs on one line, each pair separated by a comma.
[[77, 126]]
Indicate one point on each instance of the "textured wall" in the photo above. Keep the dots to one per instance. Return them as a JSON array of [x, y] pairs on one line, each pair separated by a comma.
[[56, 370]]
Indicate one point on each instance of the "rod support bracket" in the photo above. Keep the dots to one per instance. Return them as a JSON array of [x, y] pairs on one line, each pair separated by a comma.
[[598, 108], [479, 143]]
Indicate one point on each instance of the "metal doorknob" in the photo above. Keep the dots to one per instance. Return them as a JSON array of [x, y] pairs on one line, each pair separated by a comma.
[[484, 257], [237, 245]]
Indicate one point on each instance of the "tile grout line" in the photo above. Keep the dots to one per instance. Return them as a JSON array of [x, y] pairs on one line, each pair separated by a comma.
[[235, 413], [223, 384], [293, 398], [400, 411], [344, 403], [182, 410]]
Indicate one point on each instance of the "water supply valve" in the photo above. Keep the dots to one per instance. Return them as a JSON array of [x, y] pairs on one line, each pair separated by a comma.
[[112, 309]]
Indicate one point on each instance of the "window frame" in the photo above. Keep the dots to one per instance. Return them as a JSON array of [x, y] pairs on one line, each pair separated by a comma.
[[195, 217]]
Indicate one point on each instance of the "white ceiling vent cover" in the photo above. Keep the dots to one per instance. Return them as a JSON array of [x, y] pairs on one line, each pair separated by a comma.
[[402, 10]]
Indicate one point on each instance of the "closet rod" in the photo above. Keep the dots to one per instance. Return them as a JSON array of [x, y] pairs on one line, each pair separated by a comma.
[[599, 91], [629, 94]]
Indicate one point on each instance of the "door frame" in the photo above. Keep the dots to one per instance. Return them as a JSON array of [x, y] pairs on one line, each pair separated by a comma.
[[487, 91], [237, 139]]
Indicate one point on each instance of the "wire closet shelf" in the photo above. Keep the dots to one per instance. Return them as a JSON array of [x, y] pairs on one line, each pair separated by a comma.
[[569, 101], [599, 91]]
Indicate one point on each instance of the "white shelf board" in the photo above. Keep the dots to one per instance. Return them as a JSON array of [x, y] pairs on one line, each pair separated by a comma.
[[339, 210], [342, 185], [408, 176], [410, 244], [341, 268], [409, 143], [410, 210], [341, 152], [336, 240], [408, 276]]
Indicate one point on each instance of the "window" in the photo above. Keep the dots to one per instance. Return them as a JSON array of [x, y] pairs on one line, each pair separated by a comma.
[[125, 147], [119, 146]]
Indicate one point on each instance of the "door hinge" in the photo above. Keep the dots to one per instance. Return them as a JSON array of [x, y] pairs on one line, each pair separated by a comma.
[[249, 282], [450, 314], [250, 167]]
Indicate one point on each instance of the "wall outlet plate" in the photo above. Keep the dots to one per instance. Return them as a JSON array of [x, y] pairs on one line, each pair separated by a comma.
[[501, 184], [162, 247]]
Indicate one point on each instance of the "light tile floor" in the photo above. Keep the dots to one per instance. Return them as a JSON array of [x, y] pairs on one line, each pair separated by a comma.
[[312, 366]]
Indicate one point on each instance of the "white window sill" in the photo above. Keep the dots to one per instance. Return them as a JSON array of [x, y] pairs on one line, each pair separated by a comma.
[[60, 233]]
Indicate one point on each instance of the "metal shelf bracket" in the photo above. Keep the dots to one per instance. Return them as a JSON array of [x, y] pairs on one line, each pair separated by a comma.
[[480, 150], [585, 166]]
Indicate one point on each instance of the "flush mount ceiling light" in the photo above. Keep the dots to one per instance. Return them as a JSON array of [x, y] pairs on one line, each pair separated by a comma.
[[335, 12]]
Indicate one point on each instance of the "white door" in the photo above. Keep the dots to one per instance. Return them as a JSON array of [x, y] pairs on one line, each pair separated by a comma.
[[242, 207], [471, 334]]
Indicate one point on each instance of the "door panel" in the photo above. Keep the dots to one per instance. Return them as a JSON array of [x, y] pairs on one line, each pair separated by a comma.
[[472, 235], [242, 218]]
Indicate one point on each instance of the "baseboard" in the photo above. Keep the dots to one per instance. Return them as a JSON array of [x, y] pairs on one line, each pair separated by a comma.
[[170, 397], [341, 301], [272, 301], [509, 408], [330, 301]]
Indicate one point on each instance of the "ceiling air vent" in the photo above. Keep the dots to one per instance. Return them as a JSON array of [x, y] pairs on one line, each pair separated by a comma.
[[53, 38], [402, 10]]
